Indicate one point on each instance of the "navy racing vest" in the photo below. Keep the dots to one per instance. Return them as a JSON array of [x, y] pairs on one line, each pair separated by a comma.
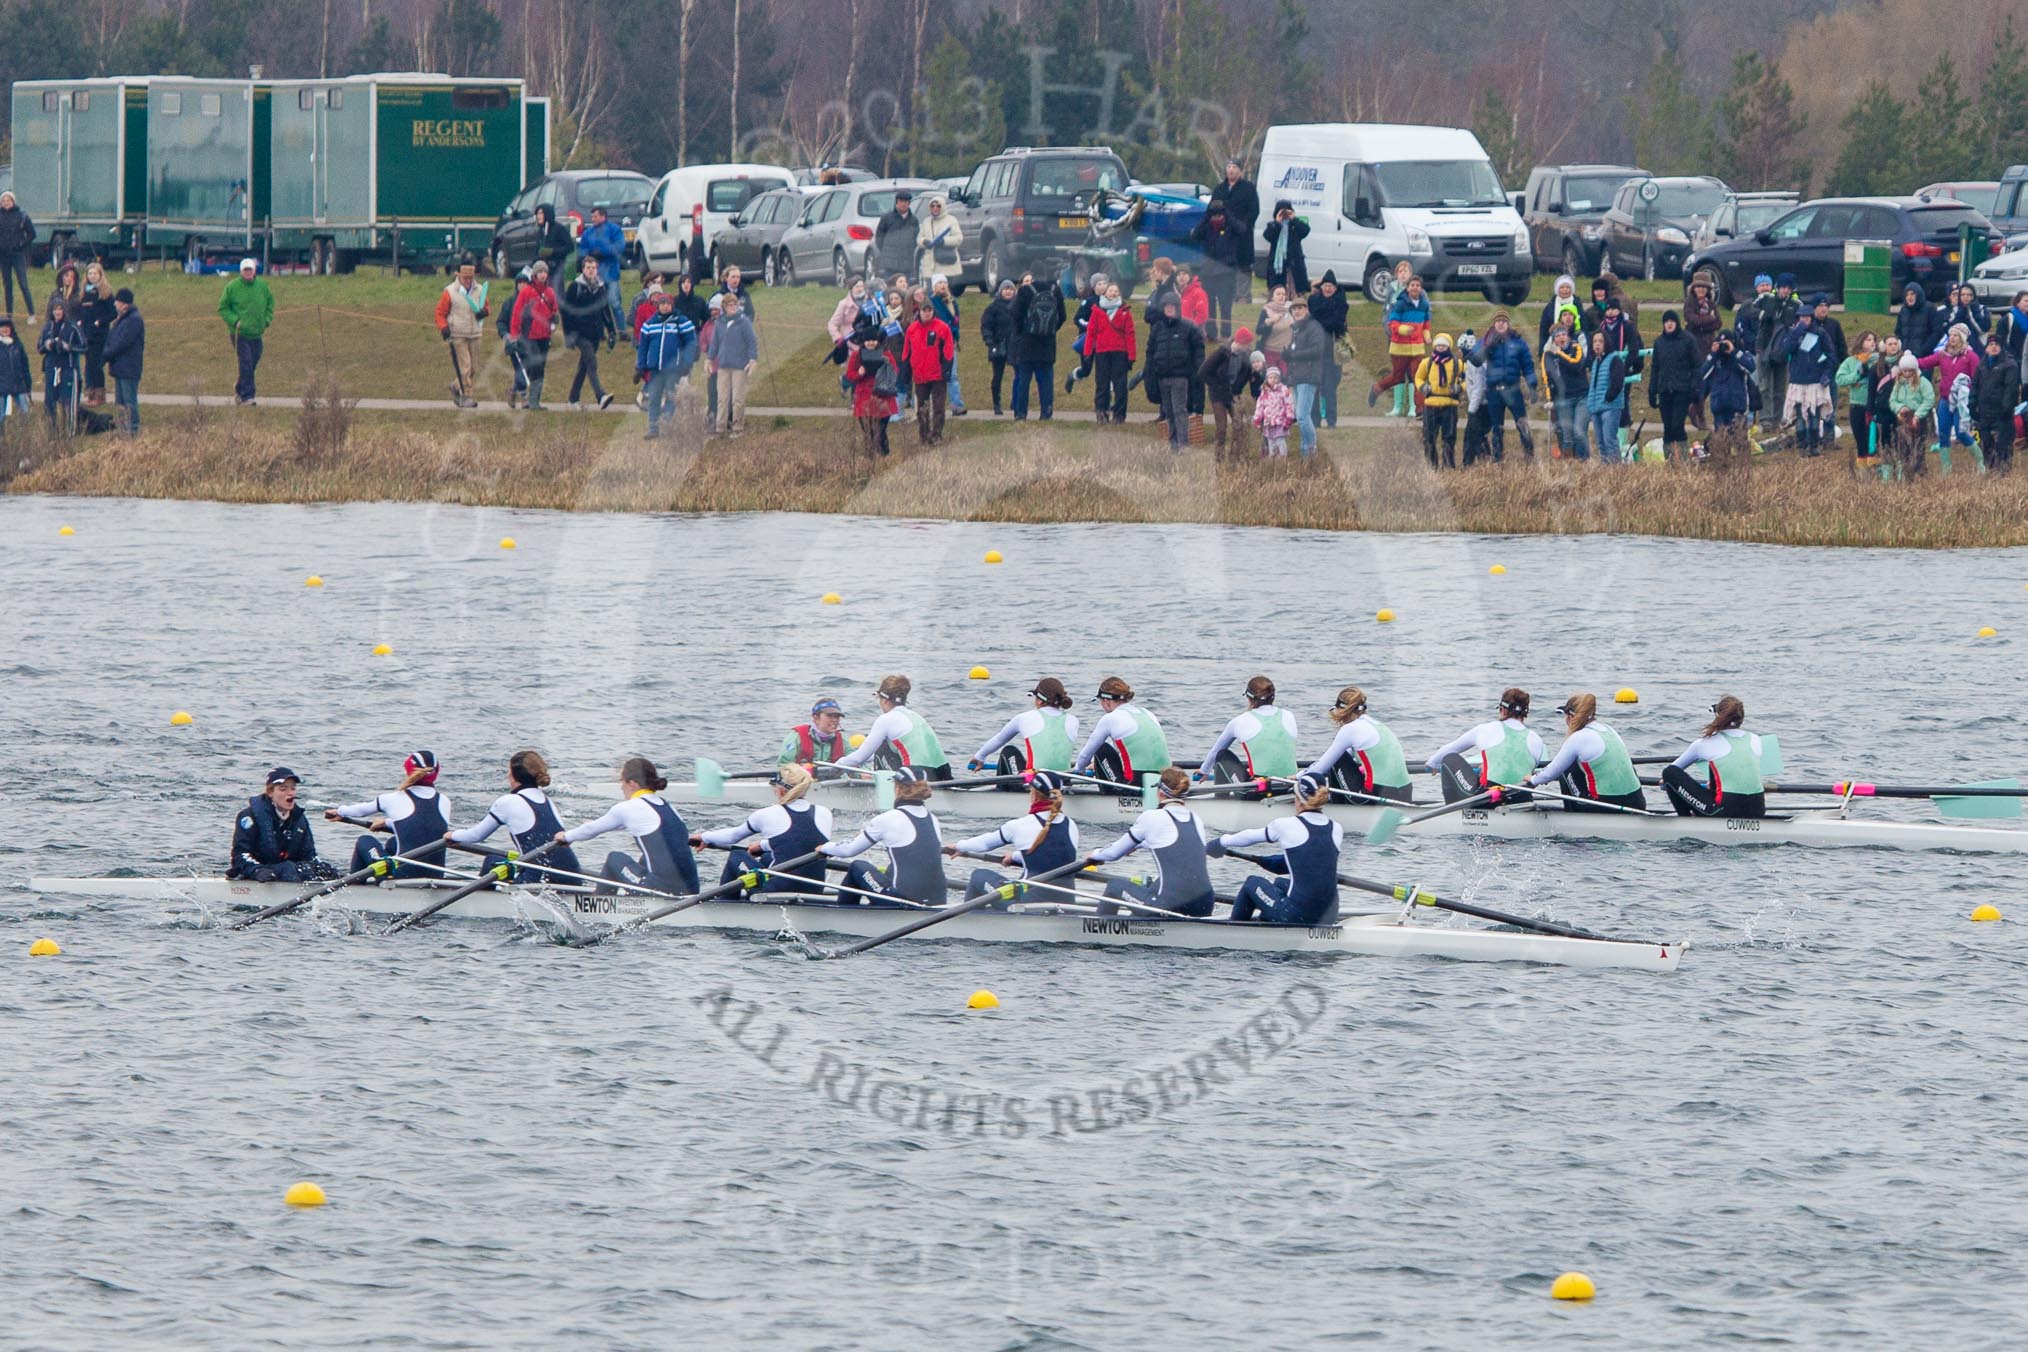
[[1313, 873], [798, 838], [546, 829], [666, 852]]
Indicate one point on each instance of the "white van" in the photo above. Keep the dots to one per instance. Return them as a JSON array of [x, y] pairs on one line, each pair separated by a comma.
[[1376, 193], [711, 193]]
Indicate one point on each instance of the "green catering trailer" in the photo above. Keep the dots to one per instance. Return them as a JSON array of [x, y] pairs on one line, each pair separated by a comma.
[[207, 165], [81, 163], [410, 169]]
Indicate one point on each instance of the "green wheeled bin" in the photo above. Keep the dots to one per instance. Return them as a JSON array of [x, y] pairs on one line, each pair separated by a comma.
[[1869, 275]]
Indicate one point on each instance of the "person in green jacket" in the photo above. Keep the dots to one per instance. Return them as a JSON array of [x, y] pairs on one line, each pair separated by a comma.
[[1912, 401], [247, 307]]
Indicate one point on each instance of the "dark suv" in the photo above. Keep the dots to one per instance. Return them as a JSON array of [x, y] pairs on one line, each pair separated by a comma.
[[1648, 229], [571, 193], [1027, 208], [1810, 242], [1565, 206]]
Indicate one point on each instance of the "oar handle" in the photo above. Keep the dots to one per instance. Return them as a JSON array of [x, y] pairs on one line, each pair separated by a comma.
[[1422, 898], [710, 894], [1006, 891], [500, 873], [375, 869]]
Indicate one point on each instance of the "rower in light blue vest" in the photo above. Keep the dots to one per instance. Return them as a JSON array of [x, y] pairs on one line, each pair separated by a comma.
[[1040, 738], [666, 863], [414, 811], [1127, 741], [1365, 757], [1731, 757], [900, 738], [1593, 763], [786, 829], [1258, 744], [1310, 843], [1500, 751], [528, 817], [1039, 840]]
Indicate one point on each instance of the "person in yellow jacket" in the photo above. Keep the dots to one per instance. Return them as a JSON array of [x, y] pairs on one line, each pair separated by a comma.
[[1440, 384]]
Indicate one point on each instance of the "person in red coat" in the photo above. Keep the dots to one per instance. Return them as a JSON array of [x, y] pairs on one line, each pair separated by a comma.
[[536, 310], [929, 351], [1111, 346], [869, 371]]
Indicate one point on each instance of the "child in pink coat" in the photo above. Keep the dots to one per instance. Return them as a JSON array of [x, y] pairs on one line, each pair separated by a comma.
[[1274, 413]]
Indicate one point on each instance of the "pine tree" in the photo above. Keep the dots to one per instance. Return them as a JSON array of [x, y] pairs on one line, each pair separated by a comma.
[[962, 120], [1875, 157], [1671, 126], [2001, 123], [1759, 127], [1942, 144]]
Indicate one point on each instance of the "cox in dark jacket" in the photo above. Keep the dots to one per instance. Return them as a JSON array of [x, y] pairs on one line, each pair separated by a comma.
[[1294, 273], [271, 840], [1030, 348]]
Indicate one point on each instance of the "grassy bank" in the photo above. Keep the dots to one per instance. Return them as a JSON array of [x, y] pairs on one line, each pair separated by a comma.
[[989, 471]]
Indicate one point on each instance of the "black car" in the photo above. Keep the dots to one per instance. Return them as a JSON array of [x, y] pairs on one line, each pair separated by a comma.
[[752, 240], [1810, 243], [1564, 206], [1651, 222], [572, 193], [1029, 207]]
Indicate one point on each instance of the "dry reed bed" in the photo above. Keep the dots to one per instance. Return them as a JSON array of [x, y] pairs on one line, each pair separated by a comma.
[[999, 472]]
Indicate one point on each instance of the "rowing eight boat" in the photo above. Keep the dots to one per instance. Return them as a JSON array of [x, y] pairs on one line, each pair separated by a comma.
[[1831, 826], [1382, 934]]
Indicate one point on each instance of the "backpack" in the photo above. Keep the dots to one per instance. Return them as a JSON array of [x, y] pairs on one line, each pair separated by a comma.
[[1041, 319], [886, 383]]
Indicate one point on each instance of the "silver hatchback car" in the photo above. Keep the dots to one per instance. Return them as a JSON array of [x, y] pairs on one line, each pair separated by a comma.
[[834, 235]]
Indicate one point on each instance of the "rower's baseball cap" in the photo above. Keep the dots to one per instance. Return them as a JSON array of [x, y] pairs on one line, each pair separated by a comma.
[[911, 774], [282, 774], [827, 705], [1309, 786], [422, 764], [1046, 782]]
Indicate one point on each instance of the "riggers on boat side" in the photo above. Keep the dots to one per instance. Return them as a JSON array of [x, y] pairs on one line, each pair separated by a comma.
[[1379, 934]]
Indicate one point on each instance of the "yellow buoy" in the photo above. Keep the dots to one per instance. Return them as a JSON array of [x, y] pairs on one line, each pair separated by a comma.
[[1985, 910], [47, 948], [857, 740], [65, 530], [506, 542], [983, 999], [313, 581], [304, 1194], [382, 649], [993, 556], [180, 719], [1626, 695], [832, 599], [981, 674], [1497, 569], [1384, 616], [1988, 632], [1573, 1286]]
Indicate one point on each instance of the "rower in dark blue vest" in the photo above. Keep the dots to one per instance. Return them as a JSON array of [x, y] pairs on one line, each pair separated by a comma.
[[530, 818], [666, 863], [414, 811], [914, 843], [271, 841], [1310, 843], [786, 829], [1171, 833], [1039, 840]]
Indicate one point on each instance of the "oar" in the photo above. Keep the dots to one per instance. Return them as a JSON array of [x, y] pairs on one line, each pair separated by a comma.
[[1005, 892], [1992, 800], [499, 873], [684, 903], [842, 889], [1350, 795], [1391, 820], [1595, 805], [377, 869]]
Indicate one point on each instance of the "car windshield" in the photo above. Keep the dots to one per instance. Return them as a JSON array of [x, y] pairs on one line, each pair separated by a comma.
[[1062, 178], [619, 194], [1438, 183], [1754, 215], [1937, 220], [1688, 199], [1591, 192], [726, 195]]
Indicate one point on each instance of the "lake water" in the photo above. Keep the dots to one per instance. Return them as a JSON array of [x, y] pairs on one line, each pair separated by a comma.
[[1810, 1135]]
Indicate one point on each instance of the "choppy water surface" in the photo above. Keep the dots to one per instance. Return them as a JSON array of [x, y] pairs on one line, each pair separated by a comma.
[[1809, 1136]]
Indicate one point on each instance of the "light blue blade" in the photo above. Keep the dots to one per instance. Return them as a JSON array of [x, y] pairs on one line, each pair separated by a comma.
[[883, 790], [1981, 808], [1150, 784], [1770, 755], [710, 778], [1384, 826]]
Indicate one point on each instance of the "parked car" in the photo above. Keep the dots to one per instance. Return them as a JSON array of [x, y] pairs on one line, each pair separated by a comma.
[[1200, 191], [1742, 213], [2001, 278], [833, 237], [1809, 241], [1564, 206], [1027, 207], [1977, 193], [1378, 194], [813, 176], [706, 194], [751, 241], [572, 193], [1648, 227], [2010, 205]]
